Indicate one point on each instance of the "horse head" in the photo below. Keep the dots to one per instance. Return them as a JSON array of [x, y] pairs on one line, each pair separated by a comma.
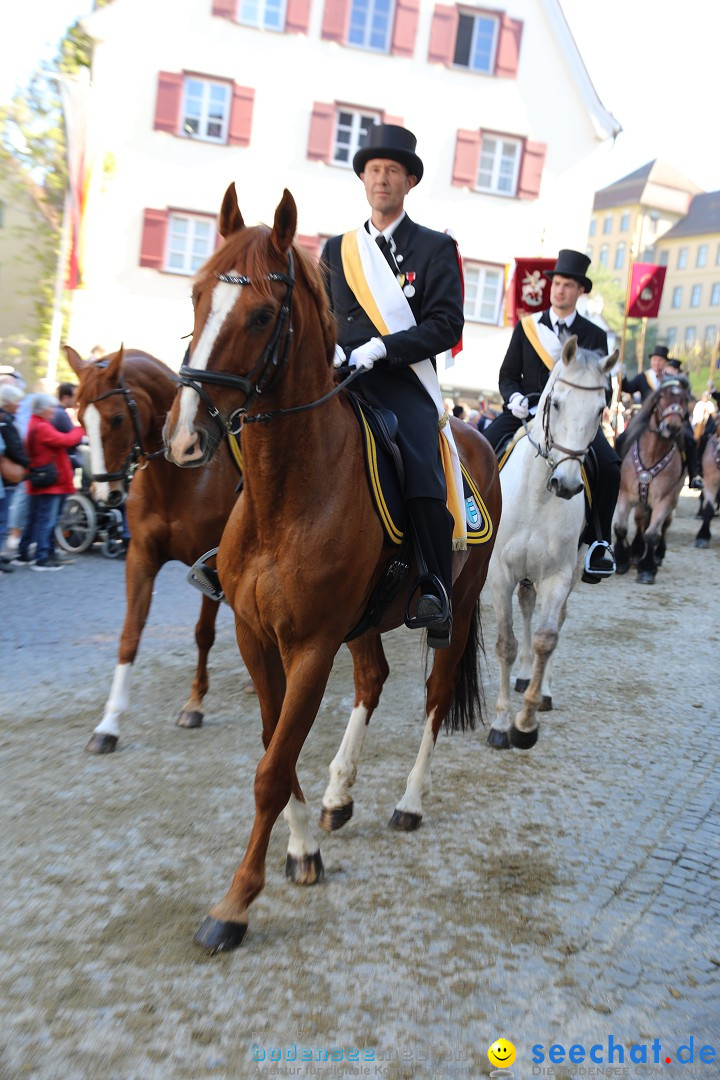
[[670, 407], [571, 408], [257, 301], [116, 418]]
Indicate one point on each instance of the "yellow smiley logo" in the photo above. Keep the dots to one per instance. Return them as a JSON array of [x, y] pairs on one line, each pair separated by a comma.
[[501, 1053]]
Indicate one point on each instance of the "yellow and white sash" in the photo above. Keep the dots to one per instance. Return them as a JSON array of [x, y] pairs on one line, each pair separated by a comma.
[[379, 294], [544, 341]]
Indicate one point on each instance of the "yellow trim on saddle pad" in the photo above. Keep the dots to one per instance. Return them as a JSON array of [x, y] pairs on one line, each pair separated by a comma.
[[485, 532], [394, 533]]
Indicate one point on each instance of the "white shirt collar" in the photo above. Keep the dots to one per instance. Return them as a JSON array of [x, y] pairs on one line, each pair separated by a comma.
[[387, 233], [555, 319]]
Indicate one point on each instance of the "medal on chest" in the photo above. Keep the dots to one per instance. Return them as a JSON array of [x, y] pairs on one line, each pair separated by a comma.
[[409, 286]]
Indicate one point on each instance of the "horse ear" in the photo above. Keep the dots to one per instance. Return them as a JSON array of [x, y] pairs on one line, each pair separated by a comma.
[[569, 351], [285, 223], [115, 366], [74, 359], [610, 362], [230, 220]]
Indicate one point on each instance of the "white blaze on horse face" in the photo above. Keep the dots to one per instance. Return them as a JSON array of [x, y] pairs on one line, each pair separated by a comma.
[[224, 298], [91, 423]]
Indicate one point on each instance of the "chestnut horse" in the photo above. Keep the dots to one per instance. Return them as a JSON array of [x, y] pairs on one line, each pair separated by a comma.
[[651, 478], [711, 488], [122, 403], [304, 548]]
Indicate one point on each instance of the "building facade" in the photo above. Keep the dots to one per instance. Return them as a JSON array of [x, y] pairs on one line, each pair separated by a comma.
[[191, 96]]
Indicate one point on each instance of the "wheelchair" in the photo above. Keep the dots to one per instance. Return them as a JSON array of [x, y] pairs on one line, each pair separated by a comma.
[[84, 521]]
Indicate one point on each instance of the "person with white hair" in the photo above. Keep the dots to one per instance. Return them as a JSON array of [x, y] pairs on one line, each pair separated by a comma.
[[46, 448], [10, 397]]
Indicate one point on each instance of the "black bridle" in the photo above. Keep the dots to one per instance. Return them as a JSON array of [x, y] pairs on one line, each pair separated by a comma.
[[265, 372], [550, 444], [137, 450]]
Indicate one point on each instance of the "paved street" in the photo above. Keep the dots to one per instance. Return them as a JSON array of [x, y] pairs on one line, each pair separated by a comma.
[[568, 895]]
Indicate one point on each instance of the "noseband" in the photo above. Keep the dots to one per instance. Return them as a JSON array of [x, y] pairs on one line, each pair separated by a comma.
[[137, 450], [550, 444], [266, 370]]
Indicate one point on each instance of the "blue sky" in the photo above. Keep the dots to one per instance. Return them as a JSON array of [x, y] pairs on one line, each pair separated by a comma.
[[655, 71]]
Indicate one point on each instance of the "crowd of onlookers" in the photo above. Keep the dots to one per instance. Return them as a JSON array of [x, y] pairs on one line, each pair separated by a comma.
[[39, 436]]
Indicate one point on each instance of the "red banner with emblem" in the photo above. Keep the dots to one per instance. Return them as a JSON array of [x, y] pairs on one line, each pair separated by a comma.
[[529, 289], [645, 293]]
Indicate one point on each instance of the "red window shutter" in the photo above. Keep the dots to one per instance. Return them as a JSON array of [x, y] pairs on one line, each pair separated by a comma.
[[531, 169], [508, 50], [393, 120], [243, 100], [442, 34], [311, 244], [297, 19], [167, 106], [405, 29], [335, 20], [467, 159], [226, 9], [152, 247], [322, 129]]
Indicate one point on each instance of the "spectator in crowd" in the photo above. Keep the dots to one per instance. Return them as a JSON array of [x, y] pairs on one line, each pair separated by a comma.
[[10, 397], [459, 411], [45, 445]]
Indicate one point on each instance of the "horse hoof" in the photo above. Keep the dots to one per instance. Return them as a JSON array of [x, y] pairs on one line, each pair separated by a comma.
[[701, 542], [402, 821], [190, 718], [644, 577], [101, 744], [622, 568], [217, 936], [546, 704], [521, 685], [523, 740], [499, 740], [305, 869], [333, 818]]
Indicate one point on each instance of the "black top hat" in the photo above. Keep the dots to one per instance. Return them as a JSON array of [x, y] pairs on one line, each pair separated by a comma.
[[393, 142], [663, 350], [572, 264]]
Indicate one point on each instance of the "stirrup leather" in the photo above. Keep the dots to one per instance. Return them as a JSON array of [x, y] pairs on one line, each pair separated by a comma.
[[588, 569], [205, 578]]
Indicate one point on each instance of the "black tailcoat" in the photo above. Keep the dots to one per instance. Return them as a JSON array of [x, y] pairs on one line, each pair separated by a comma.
[[523, 372]]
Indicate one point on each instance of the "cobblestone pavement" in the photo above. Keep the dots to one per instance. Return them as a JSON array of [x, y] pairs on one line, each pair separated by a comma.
[[567, 896]]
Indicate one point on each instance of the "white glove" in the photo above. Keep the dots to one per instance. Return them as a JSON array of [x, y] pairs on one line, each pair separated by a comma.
[[518, 405], [366, 355], [339, 357]]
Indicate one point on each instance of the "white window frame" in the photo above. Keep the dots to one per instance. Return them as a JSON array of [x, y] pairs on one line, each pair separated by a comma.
[[670, 337], [357, 133], [695, 295], [702, 255], [478, 306], [593, 227], [619, 260], [677, 297], [371, 24], [682, 259], [690, 337], [497, 159], [715, 294], [664, 257], [205, 118], [710, 335], [607, 224], [263, 14], [477, 19], [624, 222], [187, 257], [604, 256]]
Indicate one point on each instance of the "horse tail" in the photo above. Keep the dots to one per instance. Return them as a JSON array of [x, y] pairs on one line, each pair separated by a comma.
[[468, 699]]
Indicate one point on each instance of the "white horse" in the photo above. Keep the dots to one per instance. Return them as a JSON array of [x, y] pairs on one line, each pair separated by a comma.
[[538, 544]]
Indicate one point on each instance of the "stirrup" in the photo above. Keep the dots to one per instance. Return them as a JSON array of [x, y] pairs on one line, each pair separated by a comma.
[[592, 571], [437, 590], [205, 578]]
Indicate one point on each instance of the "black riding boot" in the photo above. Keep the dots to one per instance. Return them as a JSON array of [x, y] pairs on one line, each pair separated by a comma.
[[691, 458], [600, 562], [432, 527]]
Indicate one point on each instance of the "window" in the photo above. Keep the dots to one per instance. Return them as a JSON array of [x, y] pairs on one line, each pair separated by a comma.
[[483, 292], [351, 134], [589, 253], [710, 335], [603, 256], [191, 241], [653, 220], [695, 296], [476, 42], [715, 295], [593, 227], [624, 222], [663, 257], [370, 24], [702, 253], [499, 163], [677, 296], [619, 256], [682, 258], [264, 14], [717, 256], [670, 337], [206, 110], [607, 224], [689, 337]]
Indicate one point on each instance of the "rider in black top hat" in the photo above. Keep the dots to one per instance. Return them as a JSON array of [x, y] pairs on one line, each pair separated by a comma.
[[523, 375]]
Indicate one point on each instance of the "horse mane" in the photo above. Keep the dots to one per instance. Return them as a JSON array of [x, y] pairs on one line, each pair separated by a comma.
[[255, 246], [640, 422]]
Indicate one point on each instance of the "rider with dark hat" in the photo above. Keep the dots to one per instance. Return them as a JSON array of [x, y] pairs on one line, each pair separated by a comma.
[[647, 382], [396, 292], [535, 346]]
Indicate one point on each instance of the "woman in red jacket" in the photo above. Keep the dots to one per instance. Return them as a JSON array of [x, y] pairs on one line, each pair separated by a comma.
[[45, 444]]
